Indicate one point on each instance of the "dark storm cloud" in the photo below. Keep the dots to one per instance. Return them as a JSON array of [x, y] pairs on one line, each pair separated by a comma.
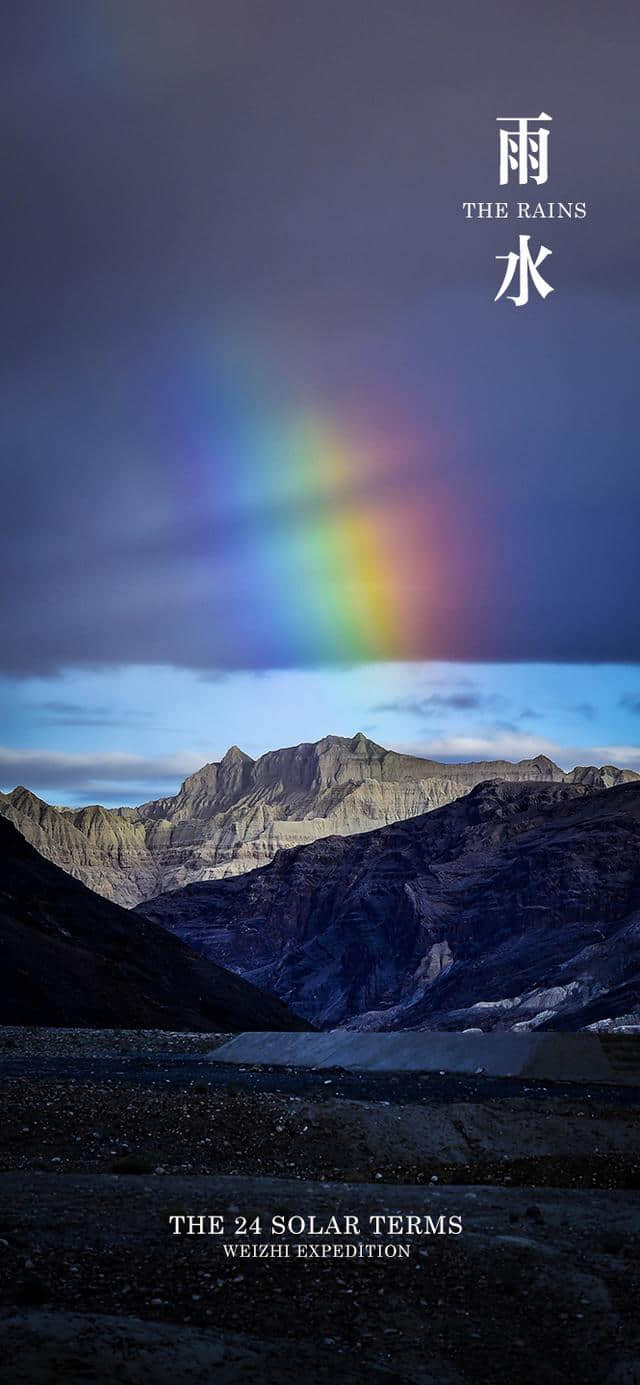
[[290, 175]]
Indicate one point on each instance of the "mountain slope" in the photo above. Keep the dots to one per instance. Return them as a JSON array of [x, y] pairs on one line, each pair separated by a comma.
[[69, 957], [233, 816], [522, 900]]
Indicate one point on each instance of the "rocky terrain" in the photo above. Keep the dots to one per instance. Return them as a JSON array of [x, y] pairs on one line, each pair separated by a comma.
[[516, 906], [540, 1286], [70, 957], [234, 816]]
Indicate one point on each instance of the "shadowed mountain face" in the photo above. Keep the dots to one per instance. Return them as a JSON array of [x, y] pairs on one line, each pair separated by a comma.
[[516, 905], [68, 957], [233, 816]]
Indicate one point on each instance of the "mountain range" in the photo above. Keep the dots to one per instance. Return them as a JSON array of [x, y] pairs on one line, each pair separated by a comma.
[[235, 815], [69, 957], [516, 906]]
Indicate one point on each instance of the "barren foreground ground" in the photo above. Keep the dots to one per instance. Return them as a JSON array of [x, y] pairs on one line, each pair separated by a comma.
[[104, 1137]]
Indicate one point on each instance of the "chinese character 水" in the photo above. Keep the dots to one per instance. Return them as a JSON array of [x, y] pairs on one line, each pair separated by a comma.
[[528, 269]]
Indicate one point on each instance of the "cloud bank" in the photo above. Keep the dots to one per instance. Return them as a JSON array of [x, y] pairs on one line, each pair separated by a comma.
[[516, 746], [93, 771]]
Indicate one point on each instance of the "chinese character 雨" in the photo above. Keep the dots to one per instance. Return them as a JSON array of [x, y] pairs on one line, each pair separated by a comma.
[[524, 149], [528, 270]]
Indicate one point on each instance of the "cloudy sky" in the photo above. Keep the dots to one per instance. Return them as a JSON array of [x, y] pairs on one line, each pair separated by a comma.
[[273, 461]]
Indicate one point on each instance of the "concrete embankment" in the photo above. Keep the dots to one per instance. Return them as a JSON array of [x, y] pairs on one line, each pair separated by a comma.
[[546, 1057]]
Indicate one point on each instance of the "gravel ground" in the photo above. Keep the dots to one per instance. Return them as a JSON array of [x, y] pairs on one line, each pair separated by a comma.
[[536, 1284], [103, 1136], [77, 1125], [29, 1041]]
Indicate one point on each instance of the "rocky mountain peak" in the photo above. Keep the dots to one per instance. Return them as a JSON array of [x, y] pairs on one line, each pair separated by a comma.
[[364, 745], [235, 773], [355, 745], [234, 755], [233, 815], [215, 772], [344, 759], [22, 797]]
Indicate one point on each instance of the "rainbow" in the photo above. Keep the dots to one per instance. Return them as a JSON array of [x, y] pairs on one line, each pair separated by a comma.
[[322, 548], [320, 539], [337, 549]]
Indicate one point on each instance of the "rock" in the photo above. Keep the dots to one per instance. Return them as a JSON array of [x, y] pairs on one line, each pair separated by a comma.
[[231, 817], [33, 1290], [70, 957], [529, 895]]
